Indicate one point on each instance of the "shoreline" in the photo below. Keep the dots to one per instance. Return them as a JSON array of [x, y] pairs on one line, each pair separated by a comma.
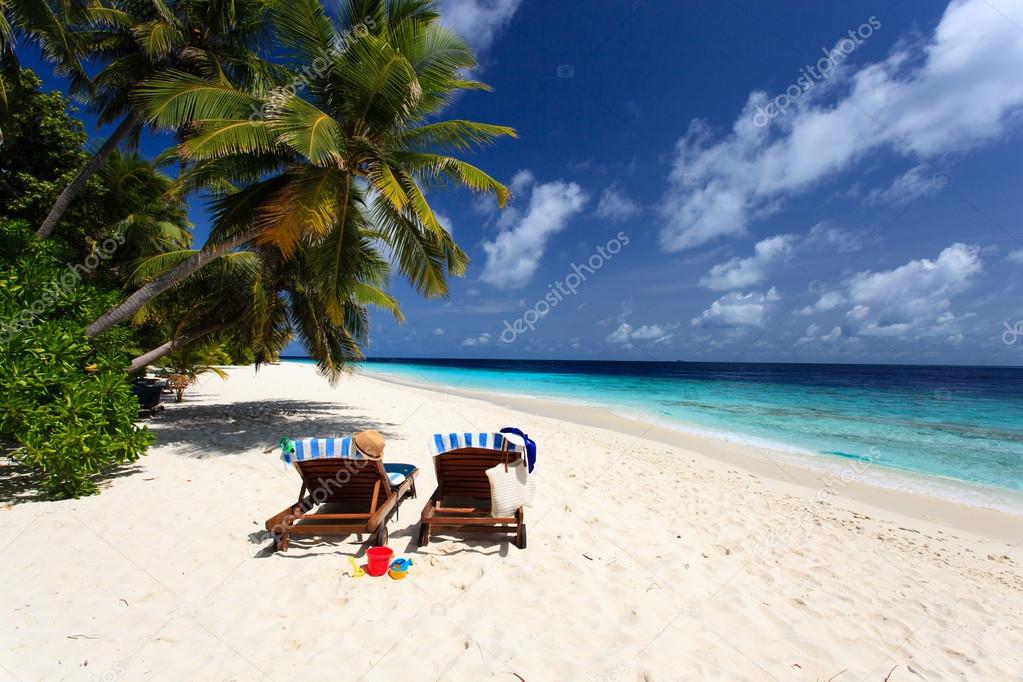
[[801, 475]]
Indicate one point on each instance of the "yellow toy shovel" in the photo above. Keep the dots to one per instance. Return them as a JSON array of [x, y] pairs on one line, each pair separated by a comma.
[[357, 572]]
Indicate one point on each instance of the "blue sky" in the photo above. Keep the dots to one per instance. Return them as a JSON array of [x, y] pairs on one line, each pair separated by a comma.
[[833, 182]]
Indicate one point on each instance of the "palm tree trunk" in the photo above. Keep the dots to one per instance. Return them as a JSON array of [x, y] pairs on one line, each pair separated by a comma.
[[88, 170], [151, 290], [178, 342]]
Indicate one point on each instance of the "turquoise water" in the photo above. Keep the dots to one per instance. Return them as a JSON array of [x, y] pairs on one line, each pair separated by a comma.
[[956, 423]]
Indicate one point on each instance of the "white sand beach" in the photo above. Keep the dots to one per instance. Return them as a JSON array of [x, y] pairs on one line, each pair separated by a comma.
[[652, 556]]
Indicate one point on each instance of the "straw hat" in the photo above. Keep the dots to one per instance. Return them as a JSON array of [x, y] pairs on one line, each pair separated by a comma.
[[370, 443]]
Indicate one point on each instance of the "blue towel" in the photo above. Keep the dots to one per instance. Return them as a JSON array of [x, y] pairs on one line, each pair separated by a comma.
[[530, 445]]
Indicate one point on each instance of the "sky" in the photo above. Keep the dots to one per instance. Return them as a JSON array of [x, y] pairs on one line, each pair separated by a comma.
[[734, 181]]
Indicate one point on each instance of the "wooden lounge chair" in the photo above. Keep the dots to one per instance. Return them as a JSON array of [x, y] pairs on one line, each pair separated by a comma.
[[343, 492], [461, 503]]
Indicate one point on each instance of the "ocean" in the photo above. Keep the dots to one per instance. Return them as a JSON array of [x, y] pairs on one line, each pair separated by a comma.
[[939, 424]]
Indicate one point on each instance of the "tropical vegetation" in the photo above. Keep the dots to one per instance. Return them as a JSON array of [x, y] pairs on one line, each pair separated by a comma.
[[316, 137]]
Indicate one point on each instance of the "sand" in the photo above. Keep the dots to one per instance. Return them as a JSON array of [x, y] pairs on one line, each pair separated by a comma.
[[652, 556]]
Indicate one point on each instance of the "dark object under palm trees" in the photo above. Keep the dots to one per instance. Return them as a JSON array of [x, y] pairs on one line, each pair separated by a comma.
[[150, 395], [343, 491]]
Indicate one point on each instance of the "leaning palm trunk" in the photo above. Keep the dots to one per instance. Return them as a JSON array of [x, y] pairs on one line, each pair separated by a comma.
[[63, 202], [173, 277], [174, 344]]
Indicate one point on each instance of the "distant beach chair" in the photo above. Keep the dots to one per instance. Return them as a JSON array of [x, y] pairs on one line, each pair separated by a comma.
[[462, 502], [149, 394], [350, 491]]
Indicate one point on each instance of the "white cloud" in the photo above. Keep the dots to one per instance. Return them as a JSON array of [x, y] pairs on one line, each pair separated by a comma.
[[825, 235], [481, 306], [738, 310], [620, 335], [813, 334], [741, 272], [481, 340], [625, 334], [910, 301], [1015, 256], [953, 93], [827, 301], [616, 205], [517, 250], [477, 21], [918, 181], [445, 222], [833, 335], [519, 185], [521, 181], [913, 299], [438, 332]]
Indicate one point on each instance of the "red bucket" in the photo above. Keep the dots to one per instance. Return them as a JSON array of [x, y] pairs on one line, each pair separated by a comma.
[[378, 560]]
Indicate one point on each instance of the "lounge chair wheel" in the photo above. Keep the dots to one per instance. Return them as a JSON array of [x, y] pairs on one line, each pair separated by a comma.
[[380, 538], [424, 535], [521, 540]]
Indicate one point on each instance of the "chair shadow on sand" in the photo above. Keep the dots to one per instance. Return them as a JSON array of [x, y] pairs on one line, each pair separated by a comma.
[[408, 533], [227, 429]]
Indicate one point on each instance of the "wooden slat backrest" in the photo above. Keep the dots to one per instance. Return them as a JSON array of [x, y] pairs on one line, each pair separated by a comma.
[[345, 481], [462, 472]]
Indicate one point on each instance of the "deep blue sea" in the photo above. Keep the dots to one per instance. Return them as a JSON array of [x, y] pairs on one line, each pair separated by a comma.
[[951, 423]]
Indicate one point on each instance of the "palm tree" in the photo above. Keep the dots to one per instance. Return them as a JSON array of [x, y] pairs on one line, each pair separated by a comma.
[[348, 156], [8, 59], [38, 19], [135, 39], [151, 215], [259, 300], [203, 309]]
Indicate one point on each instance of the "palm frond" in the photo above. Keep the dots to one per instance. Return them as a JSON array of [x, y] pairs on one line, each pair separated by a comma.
[[310, 132], [175, 98], [456, 170], [306, 206], [158, 39], [453, 135], [422, 257], [303, 26], [366, 294], [217, 138]]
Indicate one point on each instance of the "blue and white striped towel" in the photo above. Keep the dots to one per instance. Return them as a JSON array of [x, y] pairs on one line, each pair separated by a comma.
[[305, 449], [321, 448], [443, 442]]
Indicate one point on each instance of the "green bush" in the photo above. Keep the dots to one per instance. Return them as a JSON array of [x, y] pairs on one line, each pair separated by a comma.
[[65, 400]]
